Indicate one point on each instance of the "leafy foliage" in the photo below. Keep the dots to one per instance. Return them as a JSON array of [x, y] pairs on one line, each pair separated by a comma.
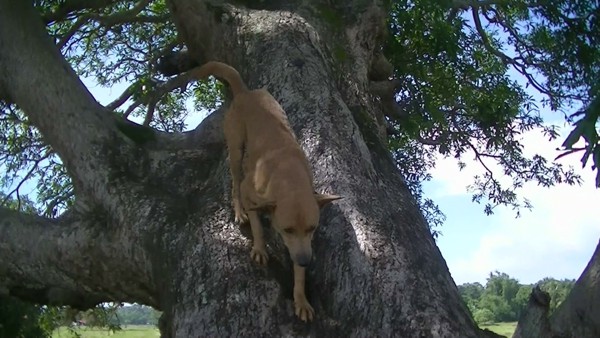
[[22, 320], [503, 298], [406, 150], [456, 65], [25, 157]]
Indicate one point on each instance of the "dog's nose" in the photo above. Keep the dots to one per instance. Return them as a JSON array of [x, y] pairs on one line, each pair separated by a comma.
[[303, 260]]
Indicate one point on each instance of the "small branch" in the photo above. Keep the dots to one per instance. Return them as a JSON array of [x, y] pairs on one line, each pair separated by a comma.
[[433, 141], [149, 114], [23, 180], [569, 152], [395, 112], [56, 201], [76, 26], [127, 93], [128, 16], [109, 21], [479, 158], [179, 81], [517, 63], [466, 4], [485, 39], [69, 6]]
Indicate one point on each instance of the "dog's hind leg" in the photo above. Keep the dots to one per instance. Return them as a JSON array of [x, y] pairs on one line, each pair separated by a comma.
[[259, 252], [234, 137], [302, 307]]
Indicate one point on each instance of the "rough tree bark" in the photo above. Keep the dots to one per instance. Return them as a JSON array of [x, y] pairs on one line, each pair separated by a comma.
[[577, 317], [158, 228]]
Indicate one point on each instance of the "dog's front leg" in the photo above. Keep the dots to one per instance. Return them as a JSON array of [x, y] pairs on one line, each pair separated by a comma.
[[302, 307], [259, 252]]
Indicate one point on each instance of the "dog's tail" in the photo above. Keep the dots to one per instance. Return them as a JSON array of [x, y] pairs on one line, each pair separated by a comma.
[[222, 71]]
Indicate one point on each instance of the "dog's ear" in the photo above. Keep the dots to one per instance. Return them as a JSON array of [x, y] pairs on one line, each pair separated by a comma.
[[324, 199]]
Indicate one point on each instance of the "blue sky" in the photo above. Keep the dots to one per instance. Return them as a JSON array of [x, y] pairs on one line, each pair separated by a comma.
[[555, 239]]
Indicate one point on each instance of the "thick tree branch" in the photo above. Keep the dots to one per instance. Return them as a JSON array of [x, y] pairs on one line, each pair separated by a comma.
[[65, 261], [127, 93], [47, 89], [578, 315], [534, 320], [129, 16]]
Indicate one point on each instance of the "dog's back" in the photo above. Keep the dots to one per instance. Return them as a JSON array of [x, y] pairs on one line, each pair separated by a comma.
[[267, 126], [264, 121]]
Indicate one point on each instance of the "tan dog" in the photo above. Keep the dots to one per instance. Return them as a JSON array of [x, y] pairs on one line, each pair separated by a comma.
[[276, 175]]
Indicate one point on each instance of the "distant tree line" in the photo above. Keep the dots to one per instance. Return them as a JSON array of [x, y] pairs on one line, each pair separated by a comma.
[[113, 316], [503, 298], [137, 315], [25, 320]]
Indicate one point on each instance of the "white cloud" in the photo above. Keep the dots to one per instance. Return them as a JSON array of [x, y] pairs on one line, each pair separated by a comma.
[[556, 238]]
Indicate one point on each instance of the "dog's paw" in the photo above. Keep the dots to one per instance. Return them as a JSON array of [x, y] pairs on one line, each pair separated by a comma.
[[303, 309], [259, 255], [242, 218]]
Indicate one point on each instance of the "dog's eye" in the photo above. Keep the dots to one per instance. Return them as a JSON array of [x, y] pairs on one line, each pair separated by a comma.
[[289, 230], [311, 229]]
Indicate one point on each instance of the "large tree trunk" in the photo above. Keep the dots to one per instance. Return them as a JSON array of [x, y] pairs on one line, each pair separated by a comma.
[[160, 230], [577, 317]]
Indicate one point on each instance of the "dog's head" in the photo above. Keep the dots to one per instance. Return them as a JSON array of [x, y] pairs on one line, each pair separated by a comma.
[[296, 218]]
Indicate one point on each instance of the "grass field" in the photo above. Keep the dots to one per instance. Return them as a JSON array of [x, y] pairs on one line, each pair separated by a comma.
[[505, 329], [133, 331]]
